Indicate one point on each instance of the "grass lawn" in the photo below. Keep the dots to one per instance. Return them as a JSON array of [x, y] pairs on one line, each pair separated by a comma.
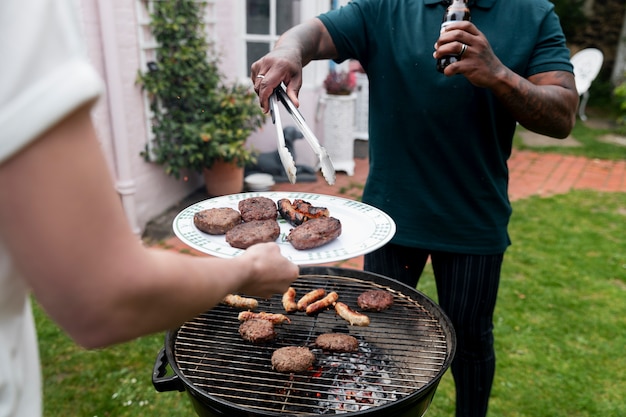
[[560, 321], [560, 328], [588, 137]]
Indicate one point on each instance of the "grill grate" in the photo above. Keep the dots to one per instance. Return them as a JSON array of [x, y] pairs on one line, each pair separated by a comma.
[[401, 351]]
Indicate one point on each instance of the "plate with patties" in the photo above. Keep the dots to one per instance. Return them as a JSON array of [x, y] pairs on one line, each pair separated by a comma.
[[364, 228]]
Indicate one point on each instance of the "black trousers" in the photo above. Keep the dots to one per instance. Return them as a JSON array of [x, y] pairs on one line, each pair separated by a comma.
[[467, 288]]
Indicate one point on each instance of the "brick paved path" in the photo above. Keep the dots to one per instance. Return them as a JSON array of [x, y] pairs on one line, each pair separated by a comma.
[[531, 173]]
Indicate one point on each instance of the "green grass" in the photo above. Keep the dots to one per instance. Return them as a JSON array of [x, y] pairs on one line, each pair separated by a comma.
[[560, 321], [588, 137], [110, 382], [560, 327]]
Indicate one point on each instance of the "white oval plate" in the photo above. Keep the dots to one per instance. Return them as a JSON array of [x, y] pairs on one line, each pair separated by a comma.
[[363, 228]]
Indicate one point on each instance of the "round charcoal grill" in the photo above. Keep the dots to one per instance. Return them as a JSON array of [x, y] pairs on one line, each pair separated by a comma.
[[402, 356]]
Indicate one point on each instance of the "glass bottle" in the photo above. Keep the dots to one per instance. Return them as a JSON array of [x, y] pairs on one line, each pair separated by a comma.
[[457, 11]]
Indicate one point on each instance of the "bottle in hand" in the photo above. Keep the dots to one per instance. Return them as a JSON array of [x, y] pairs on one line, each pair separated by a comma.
[[457, 11]]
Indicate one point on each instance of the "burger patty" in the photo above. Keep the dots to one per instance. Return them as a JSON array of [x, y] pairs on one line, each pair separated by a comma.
[[337, 342], [292, 359], [247, 234], [258, 208], [314, 233], [216, 221], [375, 300], [257, 330]]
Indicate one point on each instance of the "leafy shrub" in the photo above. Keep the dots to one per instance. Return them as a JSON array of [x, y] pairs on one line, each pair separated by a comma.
[[197, 118]]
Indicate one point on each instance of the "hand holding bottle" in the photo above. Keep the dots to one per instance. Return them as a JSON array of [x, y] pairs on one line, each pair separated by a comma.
[[457, 11]]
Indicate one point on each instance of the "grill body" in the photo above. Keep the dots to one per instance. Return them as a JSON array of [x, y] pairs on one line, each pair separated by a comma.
[[402, 356]]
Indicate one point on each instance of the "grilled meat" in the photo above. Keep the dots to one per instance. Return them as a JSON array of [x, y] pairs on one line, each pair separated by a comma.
[[258, 208], [242, 303], [289, 300], [216, 221], [247, 234], [310, 297], [321, 305], [337, 342], [292, 359], [274, 318], [314, 233], [375, 300], [351, 316], [257, 331], [300, 211]]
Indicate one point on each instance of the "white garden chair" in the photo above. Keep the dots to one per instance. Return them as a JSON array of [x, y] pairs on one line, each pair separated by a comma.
[[587, 64]]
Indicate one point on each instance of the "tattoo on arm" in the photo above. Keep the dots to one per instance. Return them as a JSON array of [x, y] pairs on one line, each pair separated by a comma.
[[545, 103]]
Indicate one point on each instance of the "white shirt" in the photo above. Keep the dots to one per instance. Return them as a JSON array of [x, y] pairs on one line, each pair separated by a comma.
[[44, 75]]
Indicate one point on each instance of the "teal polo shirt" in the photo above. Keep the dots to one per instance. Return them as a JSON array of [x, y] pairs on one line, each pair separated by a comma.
[[438, 145]]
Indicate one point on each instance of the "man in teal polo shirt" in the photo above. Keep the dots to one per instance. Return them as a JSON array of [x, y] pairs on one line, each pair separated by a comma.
[[439, 143]]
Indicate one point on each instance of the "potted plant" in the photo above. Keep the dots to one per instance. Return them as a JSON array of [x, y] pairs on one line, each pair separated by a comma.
[[199, 122], [339, 107], [340, 83]]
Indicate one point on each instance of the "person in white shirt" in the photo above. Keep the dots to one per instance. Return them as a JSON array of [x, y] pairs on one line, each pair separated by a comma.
[[64, 237]]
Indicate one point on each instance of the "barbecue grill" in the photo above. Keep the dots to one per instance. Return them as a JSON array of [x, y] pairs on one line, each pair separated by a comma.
[[402, 356]]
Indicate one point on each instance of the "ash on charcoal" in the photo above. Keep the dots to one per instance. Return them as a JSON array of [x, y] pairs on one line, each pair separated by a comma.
[[359, 381]]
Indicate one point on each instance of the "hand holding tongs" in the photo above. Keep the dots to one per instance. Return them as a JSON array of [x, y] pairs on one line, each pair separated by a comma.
[[285, 156]]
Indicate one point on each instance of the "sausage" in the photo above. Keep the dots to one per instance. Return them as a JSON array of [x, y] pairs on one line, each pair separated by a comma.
[[351, 316], [272, 317], [288, 212], [300, 211], [309, 210], [242, 303], [322, 304], [289, 300], [310, 297]]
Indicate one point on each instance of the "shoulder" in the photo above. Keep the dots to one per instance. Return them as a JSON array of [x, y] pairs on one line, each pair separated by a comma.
[[52, 62], [368, 9]]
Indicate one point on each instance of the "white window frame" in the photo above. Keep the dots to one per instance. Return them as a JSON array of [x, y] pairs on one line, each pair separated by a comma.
[[313, 73], [269, 38]]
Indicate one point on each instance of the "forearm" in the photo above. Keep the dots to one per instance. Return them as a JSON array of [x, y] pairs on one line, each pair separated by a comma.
[[310, 39], [545, 103], [147, 291]]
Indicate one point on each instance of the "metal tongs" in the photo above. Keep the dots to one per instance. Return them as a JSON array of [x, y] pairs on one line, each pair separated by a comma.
[[328, 170]]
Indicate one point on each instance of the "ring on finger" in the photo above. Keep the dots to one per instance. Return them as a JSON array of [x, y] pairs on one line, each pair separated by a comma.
[[260, 76], [463, 49]]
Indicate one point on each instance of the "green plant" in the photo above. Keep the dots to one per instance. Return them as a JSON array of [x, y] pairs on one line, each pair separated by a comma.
[[197, 118]]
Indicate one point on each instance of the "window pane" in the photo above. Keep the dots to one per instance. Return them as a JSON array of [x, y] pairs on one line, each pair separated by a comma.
[[255, 51], [287, 14], [258, 16]]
